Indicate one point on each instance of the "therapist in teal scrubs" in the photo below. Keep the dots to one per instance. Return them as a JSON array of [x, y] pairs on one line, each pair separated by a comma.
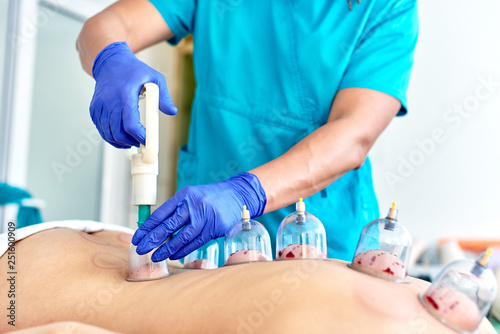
[[290, 97]]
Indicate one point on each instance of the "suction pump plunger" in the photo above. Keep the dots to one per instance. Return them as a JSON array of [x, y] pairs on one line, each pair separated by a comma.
[[301, 236], [462, 293], [384, 248], [247, 241], [144, 176]]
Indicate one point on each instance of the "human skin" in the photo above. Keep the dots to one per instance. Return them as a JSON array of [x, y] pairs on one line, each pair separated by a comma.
[[247, 255], [380, 263], [64, 327], [66, 277], [357, 117], [454, 307], [299, 251], [200, 264]]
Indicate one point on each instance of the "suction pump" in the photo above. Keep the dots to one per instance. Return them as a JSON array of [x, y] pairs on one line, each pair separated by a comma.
[[462, 293], [301, 236], [144, 177], [205, 257], [247, 241], [384, 249]]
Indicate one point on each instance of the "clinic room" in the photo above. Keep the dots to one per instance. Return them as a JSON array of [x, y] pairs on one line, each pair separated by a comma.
[[238, 166]]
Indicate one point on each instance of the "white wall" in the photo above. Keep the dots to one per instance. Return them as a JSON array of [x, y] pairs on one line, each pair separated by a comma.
[[451, 188], [4, 4], [65, 151]]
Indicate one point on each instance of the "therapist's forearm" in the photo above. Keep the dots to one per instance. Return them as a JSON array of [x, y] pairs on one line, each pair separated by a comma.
[[310, 166], [356, 120], [97, 33], [136, 22]]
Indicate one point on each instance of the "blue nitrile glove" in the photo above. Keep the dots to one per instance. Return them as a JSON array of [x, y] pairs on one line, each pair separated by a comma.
[[114, 109], [205, 212]]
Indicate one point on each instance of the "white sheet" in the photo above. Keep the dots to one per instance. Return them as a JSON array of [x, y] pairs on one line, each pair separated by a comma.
[[79, 225]]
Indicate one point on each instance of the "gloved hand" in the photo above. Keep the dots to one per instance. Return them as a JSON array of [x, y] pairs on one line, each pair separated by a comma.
[[203, 212], [114, 109]]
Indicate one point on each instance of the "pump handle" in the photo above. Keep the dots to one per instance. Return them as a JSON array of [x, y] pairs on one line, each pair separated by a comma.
[[152, 123]]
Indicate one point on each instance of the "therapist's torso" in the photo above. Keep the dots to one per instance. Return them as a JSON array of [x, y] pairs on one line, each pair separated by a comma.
[[267, 73]]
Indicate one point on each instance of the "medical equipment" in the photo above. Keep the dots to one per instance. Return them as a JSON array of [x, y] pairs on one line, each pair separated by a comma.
[[301, 236], [247, 241], [118, 72], [205, 257], [384, 248], [462, 293], [144, 175], [199, 214]]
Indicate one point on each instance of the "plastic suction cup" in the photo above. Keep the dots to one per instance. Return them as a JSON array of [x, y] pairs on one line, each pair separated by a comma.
[[142, 268], [301, 236], [462, 294], [205, 257], [384, 249], [247, 241]]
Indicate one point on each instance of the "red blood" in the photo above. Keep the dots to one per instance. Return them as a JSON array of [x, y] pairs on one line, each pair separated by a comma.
[[290, 254], [388, 270], [245, 252], [279, 254], [432, 302], [359, 261]]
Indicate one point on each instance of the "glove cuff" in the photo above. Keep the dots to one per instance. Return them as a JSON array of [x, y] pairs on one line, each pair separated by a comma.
[[251, 191], [108, 51]]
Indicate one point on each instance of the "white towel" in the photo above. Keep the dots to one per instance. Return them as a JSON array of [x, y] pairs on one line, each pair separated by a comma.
[[79, 225]]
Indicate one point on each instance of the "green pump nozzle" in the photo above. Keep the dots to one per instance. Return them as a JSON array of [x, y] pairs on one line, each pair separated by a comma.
[[144, 213]]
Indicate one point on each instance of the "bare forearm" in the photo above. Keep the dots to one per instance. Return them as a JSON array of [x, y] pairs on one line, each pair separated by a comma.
[[329, 152], [311, 165], [98, 32], [136, 22]]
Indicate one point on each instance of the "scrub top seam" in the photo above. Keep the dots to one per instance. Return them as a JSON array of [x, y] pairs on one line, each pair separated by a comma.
[[295, 61], [354, 46]]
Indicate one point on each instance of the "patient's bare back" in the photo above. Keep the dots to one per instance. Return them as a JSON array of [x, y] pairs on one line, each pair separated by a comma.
[[74, 276]]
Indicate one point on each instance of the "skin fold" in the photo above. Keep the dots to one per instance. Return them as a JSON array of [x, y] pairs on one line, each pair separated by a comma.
[[70, 278]]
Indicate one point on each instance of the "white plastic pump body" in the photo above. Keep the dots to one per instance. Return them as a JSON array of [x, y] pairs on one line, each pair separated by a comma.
[[145, 162]]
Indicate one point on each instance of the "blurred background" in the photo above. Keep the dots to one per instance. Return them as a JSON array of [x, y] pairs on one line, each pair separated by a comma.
[[440, 162]]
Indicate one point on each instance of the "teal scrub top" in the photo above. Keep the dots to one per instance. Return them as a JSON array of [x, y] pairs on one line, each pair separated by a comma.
[[267, 73]]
